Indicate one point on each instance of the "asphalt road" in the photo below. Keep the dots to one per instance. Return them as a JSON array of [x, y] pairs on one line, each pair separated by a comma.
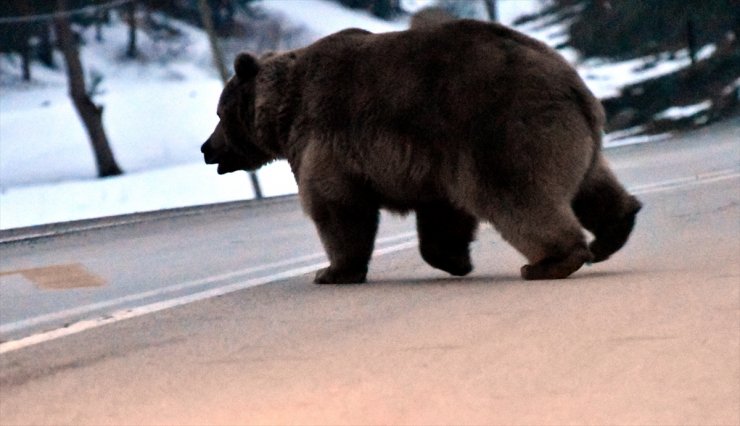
[[208, 316]]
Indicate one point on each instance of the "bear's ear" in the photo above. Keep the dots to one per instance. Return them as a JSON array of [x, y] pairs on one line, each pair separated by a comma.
[[246, 66]]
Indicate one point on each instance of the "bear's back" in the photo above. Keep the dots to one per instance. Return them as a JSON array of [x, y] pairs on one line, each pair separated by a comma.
[[454, 72]]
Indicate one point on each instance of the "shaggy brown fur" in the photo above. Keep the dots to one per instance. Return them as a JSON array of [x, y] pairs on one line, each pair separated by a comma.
[[459, 122]]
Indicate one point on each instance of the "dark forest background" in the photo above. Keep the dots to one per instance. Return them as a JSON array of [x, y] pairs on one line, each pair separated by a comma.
[[617, 30]]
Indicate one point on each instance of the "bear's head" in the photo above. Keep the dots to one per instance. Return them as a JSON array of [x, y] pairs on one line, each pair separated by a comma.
[[232, 145]]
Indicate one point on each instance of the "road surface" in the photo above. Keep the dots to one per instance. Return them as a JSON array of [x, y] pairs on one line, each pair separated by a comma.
[[208, 316]]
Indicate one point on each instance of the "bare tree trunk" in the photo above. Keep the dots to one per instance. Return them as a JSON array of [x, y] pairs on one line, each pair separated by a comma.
[[23, 31], [131, 51], [46, 49], [218, 61], [218, 58], [255, 185], [26, 59], [100, 19], [691, 40], [90, 113], [491, 9]]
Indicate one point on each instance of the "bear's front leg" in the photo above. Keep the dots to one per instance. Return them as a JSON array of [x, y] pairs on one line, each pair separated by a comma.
[[347, 232]]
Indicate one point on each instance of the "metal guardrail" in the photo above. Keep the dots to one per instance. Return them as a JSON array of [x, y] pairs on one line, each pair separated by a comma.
[[30, 233]]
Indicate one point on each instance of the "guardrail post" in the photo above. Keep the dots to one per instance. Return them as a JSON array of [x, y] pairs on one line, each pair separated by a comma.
[[255, 185]]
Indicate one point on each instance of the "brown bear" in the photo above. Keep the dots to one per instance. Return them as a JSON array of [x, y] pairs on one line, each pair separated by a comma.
[[458, 122]]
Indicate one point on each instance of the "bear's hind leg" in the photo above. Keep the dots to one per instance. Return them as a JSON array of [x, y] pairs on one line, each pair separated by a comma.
[[348, 235], [605, 208], [548, 235], [445, 234]]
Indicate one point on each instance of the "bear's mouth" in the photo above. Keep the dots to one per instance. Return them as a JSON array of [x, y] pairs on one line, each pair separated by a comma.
[[227, 166], [227, 161]]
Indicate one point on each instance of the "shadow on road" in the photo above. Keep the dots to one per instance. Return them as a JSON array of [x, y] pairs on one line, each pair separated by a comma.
[[488, 279]]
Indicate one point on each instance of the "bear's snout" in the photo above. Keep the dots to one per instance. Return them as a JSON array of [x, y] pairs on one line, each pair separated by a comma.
[[227, 160], [209, 154]]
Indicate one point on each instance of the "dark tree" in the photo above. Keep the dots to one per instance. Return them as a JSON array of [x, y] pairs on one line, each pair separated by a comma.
[[24, 48], [384, 9], [45, 49], [27, 21], [623, 29], [100, 19], [15, 36], [90, 113], [222, 12], [491, 10], [131, 51], [218, 59]]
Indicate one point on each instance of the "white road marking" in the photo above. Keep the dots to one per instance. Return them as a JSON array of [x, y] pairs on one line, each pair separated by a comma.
[[124, 314], [670, 184], [240, 274]]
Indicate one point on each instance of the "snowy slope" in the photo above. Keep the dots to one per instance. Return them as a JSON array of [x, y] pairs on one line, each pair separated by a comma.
[[157, 114], [322, 18]]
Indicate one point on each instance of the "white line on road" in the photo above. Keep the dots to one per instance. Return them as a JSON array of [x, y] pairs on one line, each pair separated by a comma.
[[178, 301], [218, 291], [240, 274], [685, 181]]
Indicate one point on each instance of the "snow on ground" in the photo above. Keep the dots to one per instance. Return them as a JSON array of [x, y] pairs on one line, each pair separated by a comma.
[[322, 18], [155, 189], [150, 124], [606, 79], [159, 109]]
